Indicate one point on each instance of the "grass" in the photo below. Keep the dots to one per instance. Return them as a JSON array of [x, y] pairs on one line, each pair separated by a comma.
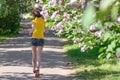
[[5, 36], [88, 67]]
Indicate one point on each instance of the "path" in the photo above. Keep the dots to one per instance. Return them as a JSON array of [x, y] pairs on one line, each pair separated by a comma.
[[15, 58]]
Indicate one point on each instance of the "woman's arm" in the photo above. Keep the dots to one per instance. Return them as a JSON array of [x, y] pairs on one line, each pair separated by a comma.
[[31, 30], [46, 30]]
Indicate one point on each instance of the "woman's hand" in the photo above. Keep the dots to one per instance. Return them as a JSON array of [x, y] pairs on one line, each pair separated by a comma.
[[46, 30], [30, 33], [31, 30]]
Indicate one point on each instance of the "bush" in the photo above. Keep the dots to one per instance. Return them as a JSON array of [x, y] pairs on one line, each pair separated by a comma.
[[97, 24], [10, 11]]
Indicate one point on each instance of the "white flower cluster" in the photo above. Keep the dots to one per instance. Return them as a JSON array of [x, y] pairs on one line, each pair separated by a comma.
[[118, 55], [59, 27], [93, 27], [118, 19], [55, 15], [73, 4], [53, 3], [97, 33], [45, 14], [83, 48]]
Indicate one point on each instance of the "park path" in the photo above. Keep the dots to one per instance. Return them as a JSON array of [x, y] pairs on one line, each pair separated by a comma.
[[15, 58]]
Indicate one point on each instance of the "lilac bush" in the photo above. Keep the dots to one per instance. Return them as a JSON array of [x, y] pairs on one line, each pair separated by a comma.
[[89, 27]]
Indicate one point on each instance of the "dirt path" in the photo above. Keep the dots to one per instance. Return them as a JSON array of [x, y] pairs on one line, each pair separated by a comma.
[[15, 58]]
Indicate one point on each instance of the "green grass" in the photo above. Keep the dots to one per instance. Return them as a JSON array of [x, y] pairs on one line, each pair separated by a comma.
[[88, 66], [5, 36]]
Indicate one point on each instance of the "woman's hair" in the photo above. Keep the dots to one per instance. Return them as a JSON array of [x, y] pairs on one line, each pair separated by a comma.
[[36, 13]]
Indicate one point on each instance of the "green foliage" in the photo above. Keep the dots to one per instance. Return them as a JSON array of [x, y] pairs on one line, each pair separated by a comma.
[[105, 4], [94, 26], [114, 11], [89, 16], [10, 11], [87, 64]]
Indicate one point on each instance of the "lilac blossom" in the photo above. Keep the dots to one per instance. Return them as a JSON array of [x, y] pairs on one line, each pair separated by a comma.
[[60, 2], [59, 26], [118, 55], [76, 40], [79, 31], [66, 15], [52, 3], [45, 14], [79, 21], [93, 27], [73, 4], [54, 15], [74, 12], [60, 31], [118, 19], [98, 33], [70, 6], [84, 48]]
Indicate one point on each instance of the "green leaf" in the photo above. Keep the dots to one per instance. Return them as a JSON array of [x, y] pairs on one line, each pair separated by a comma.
[[107, 36], [114, 11], [105, 9], [99, 26], [101, 49], [118, 50], [89, 16], [105, 4], [108, 56], [111, 46]]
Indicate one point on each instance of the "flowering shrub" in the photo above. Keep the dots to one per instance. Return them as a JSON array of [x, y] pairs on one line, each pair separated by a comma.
[[92, 26]]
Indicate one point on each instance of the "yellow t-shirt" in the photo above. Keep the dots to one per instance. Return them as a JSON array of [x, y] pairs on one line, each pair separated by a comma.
[[39, 25]]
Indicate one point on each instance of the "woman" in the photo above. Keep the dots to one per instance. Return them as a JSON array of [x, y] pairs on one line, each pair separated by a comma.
[[37, 41]]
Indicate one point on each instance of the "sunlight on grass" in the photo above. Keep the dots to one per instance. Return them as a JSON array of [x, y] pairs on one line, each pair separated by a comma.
[[5, 36], [88, 67], [2, 38]]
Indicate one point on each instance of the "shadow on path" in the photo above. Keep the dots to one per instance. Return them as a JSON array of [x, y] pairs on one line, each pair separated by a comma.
[[15, 58]]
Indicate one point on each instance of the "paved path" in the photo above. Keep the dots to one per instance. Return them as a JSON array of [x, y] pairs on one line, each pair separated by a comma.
[[15, 58]]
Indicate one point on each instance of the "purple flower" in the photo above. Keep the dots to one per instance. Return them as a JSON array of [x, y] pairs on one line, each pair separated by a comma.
[[98, 33], [118, 19], [79, 31], [59, 26], [45, 14], [70, 6], [76, 40], [66, 15], [54, 15], [118, 55], [93, 27], [60, 31], [73, 4], [52, 3]]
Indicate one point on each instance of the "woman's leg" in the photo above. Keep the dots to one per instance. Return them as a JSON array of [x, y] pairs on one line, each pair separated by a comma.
[[34, 57], [39, 52]]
